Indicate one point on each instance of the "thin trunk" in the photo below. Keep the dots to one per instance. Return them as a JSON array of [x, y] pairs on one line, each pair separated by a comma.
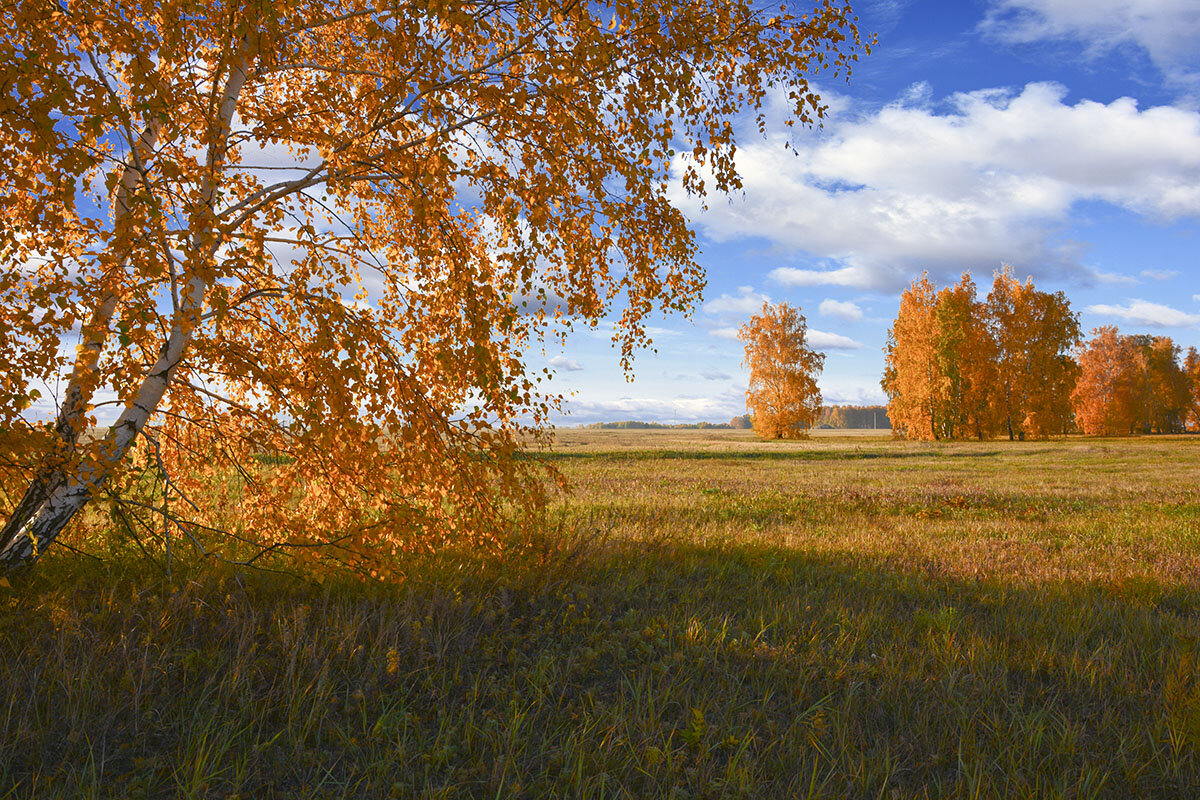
[[69, 424], [54, 500]]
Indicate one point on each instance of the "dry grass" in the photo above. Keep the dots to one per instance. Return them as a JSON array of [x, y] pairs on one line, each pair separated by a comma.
[[708, 617]]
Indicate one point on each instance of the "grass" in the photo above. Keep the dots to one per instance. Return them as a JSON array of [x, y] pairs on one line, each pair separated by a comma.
[[708, 617]]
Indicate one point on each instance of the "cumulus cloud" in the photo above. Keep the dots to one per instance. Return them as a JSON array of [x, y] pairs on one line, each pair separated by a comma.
[[1168, 30], [820, 340], [744, 303], [841, 308], [879, 196], [564, 363], [1159, 274], [724, 333], [1143, 312]]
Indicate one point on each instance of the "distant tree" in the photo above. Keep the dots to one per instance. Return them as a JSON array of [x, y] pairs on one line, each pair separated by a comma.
[[1133, 384], [833, 417], [911, 378], [783, 397], [1169, 386], [740, 423], [1161, 390], [1103, 398], [1034, 333], [965, 358], [957, 367], [1191, 367]]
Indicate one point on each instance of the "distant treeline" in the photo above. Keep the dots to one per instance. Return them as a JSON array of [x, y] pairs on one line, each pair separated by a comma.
[[831, 417], [854, 417]]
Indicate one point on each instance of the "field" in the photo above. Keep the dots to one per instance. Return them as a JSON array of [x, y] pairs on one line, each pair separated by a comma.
[[706, 616]]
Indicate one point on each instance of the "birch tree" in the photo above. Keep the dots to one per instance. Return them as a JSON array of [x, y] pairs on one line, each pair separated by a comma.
[[911, 378], [783, 397], [302, 247]]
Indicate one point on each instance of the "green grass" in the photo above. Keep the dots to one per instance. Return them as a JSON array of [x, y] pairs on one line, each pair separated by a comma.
[[707, 617]]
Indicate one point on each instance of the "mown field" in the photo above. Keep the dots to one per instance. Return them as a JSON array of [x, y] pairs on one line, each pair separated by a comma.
[[707, 617]]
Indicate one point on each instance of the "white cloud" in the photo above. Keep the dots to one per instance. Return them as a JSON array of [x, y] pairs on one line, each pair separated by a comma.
[[846, 276], [1144, 312], [1113, 277], [562, 362], [652, 409], [820, 340], [851, 393], [841, 308], [1159, 274], [745, 302], [724, 333], [877, 197], [1168, 30]]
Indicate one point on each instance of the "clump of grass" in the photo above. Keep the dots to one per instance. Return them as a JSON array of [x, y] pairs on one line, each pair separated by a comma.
[[727, 627]]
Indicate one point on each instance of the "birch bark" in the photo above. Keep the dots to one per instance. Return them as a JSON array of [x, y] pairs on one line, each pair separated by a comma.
[[60, 491]]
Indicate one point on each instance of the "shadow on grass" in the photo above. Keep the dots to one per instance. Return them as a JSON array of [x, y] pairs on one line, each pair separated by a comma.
[[648, 670]]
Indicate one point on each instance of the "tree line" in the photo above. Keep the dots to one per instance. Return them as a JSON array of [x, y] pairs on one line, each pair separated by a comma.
[[1014, 364], [854, 417]]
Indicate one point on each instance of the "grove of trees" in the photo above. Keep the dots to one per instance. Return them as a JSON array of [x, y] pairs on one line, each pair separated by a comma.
[[301, 247], [1135, 384], [782, 397], [1012, 364], [960, 367]]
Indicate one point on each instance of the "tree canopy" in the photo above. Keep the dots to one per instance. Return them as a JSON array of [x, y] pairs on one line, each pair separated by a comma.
[[301, 247]]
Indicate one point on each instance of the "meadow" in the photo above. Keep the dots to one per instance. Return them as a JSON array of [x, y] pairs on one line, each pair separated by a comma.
[[704, 616]]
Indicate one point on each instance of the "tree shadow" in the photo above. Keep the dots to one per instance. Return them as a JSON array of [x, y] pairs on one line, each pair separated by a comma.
[[634, 669]]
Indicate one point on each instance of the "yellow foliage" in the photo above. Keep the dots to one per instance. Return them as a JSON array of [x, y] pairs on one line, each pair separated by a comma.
[[957, 367], [783, 397], [307, 244]]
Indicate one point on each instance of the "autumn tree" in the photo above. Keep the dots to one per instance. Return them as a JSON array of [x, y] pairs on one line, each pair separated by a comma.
[[1160, 391], [1133, 384], [1166, 389], [783, 397], [299, 248], [965, 364], [1034, 332], [1191, 367], [911, 378], [1104, 395]]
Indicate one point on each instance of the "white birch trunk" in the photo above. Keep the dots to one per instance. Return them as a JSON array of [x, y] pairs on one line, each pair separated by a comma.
[[52, 501]]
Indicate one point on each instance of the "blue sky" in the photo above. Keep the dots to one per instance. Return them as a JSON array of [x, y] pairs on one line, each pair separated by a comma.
[[1059, 136]]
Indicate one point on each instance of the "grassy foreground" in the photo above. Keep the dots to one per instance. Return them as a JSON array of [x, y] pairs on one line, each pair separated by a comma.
[[712, 617]]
